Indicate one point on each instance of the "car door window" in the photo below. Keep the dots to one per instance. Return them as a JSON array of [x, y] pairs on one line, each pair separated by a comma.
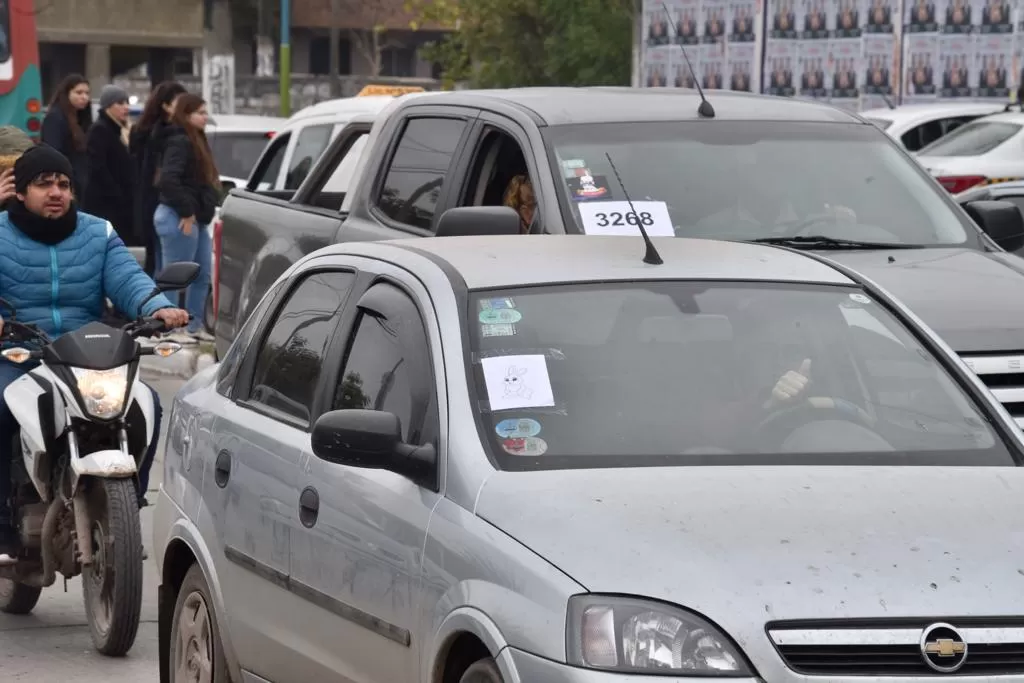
[[418, 168], [388, 365], [923, 135], [269, 167], [288, 366], [341, 179], [312, 142], [232, 361]]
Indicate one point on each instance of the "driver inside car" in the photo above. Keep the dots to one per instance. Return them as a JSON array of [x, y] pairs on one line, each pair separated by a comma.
[[58, 265]]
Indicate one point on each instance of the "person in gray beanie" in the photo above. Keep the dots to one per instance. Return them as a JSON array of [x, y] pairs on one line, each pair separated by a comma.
[[110, 193]]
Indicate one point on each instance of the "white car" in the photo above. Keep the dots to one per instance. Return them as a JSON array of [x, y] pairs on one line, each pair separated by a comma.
[[918, 125], [237, 141], [988, 150]]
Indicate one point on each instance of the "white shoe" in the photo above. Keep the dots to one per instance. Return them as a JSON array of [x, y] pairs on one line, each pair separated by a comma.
[[7, 560]]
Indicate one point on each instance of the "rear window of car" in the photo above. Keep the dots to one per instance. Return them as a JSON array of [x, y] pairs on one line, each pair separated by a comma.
[[236, 153], [685, 373], [881, 123], [972, 139]]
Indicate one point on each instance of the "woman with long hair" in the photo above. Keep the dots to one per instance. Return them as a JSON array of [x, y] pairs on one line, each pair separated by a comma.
[[189, 188], [66, 126], [146, 147]]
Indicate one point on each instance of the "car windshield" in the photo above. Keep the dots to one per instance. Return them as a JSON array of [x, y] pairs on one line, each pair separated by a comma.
[[685, 372], [235, 154], [881, 123], [752, 180], [5, 30], [972, 139]]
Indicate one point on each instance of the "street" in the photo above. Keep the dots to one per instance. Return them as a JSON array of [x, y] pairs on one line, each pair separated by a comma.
[[52, 645]]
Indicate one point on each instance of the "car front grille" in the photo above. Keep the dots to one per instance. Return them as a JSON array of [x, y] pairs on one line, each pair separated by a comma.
[[1004, 376], [923, 649]]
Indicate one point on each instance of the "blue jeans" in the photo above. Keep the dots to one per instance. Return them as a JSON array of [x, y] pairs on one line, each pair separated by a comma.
[[176, 246], [8, 426]]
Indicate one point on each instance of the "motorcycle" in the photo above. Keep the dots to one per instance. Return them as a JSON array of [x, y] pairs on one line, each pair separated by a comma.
[[85, 422]]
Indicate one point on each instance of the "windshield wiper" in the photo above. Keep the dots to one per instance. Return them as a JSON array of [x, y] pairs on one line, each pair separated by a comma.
[[823, 242]]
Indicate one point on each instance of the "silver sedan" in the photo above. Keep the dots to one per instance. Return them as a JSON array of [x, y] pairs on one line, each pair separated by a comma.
[[541, 460]]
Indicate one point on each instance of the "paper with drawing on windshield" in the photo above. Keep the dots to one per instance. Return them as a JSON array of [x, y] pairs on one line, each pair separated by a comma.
[[517, 382], [616, 218]]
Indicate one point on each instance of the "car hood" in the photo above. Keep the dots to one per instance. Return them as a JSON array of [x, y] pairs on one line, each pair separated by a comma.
[[974, 300], [749, 545]]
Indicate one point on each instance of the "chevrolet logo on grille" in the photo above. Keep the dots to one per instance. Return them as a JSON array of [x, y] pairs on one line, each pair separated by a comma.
[[943, 648]]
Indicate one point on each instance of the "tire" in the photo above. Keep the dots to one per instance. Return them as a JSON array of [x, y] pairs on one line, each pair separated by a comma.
[[482, 671], [112, 585], [196, 652], [17, 598]]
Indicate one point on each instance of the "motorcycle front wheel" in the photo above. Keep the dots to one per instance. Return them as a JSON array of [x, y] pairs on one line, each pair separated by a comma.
[[112, 584]]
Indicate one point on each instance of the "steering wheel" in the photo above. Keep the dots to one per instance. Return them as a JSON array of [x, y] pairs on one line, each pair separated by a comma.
[[774, 429]]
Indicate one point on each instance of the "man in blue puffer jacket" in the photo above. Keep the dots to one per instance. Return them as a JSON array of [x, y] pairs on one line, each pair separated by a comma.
[[57, 268]]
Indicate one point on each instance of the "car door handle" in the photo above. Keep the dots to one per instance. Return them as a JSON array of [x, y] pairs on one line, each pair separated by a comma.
[[309, 506], [222, 469]]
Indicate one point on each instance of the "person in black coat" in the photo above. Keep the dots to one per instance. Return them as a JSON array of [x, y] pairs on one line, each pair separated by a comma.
[[111, 190], [66, 126], [145, 143]]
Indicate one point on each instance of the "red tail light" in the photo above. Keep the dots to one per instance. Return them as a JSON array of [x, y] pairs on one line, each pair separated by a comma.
[[270, 134], [217, 233], [958, 183], [33, 106], [33, 125]]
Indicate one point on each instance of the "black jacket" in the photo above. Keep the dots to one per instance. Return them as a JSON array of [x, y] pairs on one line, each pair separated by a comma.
[[56, 133], [181, 183], [111, 190]]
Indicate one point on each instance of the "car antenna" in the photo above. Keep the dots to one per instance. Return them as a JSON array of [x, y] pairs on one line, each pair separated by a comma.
[[652, 256], [704, 109]]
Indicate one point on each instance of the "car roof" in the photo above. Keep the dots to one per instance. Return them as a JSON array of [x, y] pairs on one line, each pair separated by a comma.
[[232, 123], [908, 112], [344, 105], [517, 261], [560, 105], [1008, 117]]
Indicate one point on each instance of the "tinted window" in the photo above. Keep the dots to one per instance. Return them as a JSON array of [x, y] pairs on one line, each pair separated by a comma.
[[923, 135], [270, 165], [5, 30], [388, 366], [972, 139], [288, 366], [751, 180], [235, 154], [232, 360], [313, 140], [414, 181], [341, 179], [690, 372]]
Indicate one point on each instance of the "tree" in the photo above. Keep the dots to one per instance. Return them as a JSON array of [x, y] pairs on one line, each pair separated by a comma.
[[510, 43]]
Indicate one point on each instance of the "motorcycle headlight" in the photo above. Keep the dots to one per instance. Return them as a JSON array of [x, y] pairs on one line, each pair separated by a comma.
[[636, 636], [103, 391]]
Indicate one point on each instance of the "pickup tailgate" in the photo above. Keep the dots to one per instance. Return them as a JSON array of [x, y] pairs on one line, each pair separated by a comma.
[[262, 235]]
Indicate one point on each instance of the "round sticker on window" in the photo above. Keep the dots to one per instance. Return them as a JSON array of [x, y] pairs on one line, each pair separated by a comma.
[[525, 445], [860, 298], [498, 316]]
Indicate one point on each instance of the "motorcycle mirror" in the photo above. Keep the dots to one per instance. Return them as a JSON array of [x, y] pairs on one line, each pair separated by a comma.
[[177, 276], [17, 354], [166, 348]]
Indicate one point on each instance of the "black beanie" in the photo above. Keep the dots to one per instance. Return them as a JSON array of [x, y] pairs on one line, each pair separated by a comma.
[[37, 161]]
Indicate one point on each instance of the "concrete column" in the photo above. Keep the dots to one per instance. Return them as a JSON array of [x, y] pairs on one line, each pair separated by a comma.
[[97, 64]]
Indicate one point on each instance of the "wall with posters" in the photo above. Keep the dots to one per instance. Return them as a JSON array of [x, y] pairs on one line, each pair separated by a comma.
[[857, 54]]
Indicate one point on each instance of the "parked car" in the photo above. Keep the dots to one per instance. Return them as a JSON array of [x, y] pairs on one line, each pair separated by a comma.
[[918, 125], [984, 151], [1010, 191], [237, 141], [461, 460]]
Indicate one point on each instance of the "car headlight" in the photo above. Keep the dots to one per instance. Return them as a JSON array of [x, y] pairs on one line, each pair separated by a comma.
[[103, 391], [636, 636]]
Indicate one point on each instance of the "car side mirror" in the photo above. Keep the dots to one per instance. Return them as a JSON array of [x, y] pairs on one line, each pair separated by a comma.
[[478, 220], [1000, 220], [370, 439]]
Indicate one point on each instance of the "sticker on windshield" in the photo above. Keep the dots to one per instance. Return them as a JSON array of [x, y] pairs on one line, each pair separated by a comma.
[[517, 427], [517, 382], [586, 187], [860, 298], [487, 304], [616, 218], [492, 316], [499, 330], [527, 445], [573, 164]]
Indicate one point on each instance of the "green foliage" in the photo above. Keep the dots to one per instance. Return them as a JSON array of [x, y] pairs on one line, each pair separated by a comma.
[[510, 43]]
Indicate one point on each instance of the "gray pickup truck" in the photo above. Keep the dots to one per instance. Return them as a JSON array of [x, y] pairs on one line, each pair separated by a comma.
[[767, 169]]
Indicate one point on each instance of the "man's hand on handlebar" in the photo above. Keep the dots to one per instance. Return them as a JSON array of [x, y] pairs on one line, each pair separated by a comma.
[[171, 317]]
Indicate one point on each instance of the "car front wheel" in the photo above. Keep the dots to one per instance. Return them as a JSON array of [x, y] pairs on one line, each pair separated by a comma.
[[483, 671], [197, 655]]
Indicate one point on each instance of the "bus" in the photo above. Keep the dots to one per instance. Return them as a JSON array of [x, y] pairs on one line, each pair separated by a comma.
[[21, 89]]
